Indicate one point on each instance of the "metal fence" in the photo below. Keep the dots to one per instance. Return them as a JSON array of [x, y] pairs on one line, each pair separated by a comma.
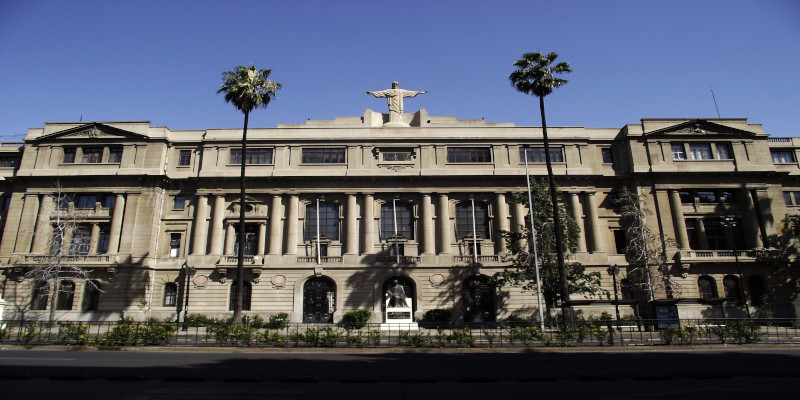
[[497, 335]]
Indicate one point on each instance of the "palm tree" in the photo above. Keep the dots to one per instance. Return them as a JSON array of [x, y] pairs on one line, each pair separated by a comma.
[[535, 75], [247, 89]]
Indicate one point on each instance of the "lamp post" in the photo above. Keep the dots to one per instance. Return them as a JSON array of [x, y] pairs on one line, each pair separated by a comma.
[[730, 222], [189, 272], [614, 271]]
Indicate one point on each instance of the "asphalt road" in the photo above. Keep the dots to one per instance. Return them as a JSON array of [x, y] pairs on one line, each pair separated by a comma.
[[625, 374]]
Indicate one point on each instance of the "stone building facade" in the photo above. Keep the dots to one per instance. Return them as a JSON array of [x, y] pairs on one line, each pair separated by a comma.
[[336, 210]]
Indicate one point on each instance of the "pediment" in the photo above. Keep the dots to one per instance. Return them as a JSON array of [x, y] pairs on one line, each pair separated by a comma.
[[93, 131], [699, 128]]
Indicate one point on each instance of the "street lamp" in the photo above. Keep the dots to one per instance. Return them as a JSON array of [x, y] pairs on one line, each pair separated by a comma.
[[189, 272], [614, 271], [730, 222]]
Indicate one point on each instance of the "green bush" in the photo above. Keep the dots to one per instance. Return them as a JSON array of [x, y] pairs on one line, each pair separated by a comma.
[[525, 334], [73, 333], [745, 332], [273, 338], [438, 316], [278, 321], [462, 337], [197, 320], [356, 319], [375, 337], [254, 321], [411, 339]]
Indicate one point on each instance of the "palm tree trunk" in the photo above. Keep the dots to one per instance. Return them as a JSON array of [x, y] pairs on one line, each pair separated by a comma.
[[237, 305], [559, 235]]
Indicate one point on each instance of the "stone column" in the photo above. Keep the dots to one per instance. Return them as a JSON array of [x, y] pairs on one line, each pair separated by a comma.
[[30, 206], [598, 244], [444, 224], [701, 234], [44, 231], [115, 229], [291, 225], [750, 221], [200, 226], [428, 235], [519, 222], [217, 228], [275, 225], [262, 238], [230, 238], [678, 219], [577, 214], [503, 223], [351, 246], [94, 239], [369, 224]]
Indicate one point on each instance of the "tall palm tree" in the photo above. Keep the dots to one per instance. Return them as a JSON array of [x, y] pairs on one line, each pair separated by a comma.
[[247, 88], [535, 75]]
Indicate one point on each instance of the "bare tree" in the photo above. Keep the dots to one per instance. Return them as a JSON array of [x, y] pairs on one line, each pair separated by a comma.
[[69, 239], [648, 268]]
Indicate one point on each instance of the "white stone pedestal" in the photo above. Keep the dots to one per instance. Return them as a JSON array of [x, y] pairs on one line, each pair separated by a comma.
[[399, 318]]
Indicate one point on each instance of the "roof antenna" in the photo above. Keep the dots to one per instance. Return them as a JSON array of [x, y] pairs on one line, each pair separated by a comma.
[[81, 118], [715, 100]]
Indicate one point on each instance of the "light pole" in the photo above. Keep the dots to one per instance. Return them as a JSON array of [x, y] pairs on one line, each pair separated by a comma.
[[614, 271], [189, 272], [730, 222]]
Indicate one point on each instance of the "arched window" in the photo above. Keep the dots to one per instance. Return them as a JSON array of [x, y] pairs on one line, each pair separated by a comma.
[[731, 285], [91, 296], [707, 287], [66, 293], [477, 298], [464, 220], [248, 290], [403, 213], [328, 221], [319, 300], [40, 295], [758, 292], [170, 294]]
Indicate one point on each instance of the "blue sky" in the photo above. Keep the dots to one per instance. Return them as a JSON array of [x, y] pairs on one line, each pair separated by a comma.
[[162, 60]]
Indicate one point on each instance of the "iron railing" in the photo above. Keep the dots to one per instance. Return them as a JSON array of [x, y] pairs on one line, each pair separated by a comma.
[[506, 334]]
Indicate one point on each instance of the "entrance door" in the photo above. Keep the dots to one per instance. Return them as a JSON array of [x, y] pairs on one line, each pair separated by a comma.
[[477, 297], [319, 300]]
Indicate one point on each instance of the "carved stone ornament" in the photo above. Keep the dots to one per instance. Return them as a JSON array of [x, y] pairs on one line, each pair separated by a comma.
[[223, 273], [278, 281], [256, 274]]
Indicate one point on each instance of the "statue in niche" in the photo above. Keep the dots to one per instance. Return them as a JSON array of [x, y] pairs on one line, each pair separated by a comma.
[[394, 97], [396, 295]]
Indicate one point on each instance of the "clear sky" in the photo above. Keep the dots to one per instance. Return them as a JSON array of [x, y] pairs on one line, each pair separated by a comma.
[[162, 60]]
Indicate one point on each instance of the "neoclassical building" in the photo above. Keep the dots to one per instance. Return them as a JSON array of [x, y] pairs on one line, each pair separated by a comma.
[[337, 210]]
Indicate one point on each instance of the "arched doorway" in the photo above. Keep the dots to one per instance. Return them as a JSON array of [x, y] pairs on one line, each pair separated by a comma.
[[408, 288], [477, 299], [319, 300]]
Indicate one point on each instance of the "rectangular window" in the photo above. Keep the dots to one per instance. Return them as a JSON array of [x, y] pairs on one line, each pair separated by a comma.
[[401, 212], [9, 162], [81, 237], [686, 197], [6, 203], [715, 235], [536, 154], [724, 151], [170, 295], [469, 155], [254, 156], [728, 197], [608, 156], [464, 220], [69, 155], [66, 295], [323, 155], [102, 241], [185, 158], [115, 155], [620, 241], [782, 156], [707, 197], [86, 201], [678, 151], [92, 155], [328, 221], [396, 155], [250, 240], [109, 201], [791, 198], [180, 202], [174, 245], [700, 151]]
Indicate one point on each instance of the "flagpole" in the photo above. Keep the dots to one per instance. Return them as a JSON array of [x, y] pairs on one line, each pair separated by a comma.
[[474, 234], [533, 244], [394, 222], [319, 258]]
